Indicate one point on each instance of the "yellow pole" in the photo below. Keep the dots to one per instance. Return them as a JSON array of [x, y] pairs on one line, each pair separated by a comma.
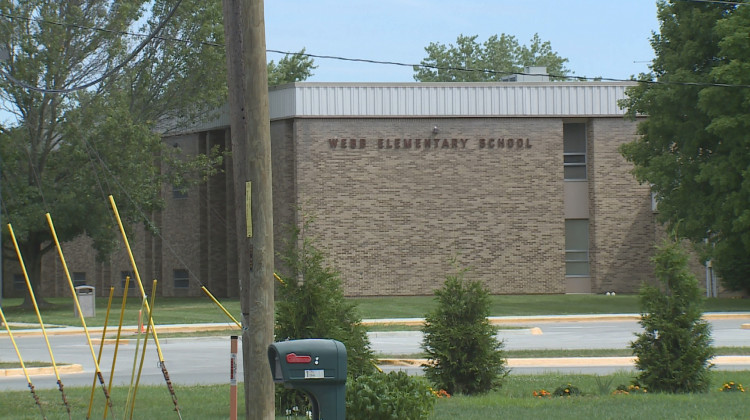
[[143, 355], [279, 279], [117, 341], [128, 400], [220, 306], [38, 316], [23, 366], [143, 296], [78, 306], [135, 270], [101, 348]]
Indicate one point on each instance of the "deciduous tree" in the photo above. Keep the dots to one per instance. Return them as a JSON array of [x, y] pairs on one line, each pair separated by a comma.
[[73, 146], [694, 147], [498, 57]]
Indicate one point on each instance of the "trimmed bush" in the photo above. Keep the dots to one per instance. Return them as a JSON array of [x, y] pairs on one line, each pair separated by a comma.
[[673, 351], [464, 355], [395, 395]]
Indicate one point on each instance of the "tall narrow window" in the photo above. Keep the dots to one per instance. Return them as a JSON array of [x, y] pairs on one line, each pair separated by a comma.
[[577, 247], [574, 151], [181, 279]]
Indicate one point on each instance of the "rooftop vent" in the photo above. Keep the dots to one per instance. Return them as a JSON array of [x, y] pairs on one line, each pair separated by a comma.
[[530, 74]]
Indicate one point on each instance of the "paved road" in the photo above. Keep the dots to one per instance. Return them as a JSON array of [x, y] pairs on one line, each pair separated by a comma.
[[205, 360]]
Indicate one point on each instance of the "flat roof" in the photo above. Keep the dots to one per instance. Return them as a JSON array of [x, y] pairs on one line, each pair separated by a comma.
[[404, 100]]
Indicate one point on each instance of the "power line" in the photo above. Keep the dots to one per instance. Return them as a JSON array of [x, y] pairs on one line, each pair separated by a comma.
[[154, 35]]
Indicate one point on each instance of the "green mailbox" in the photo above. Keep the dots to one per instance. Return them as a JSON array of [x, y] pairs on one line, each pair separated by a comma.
[[316, 367]]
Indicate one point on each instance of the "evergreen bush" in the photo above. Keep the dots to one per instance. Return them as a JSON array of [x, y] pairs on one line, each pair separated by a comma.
[[464, 355], [395, 395], [673, 351]]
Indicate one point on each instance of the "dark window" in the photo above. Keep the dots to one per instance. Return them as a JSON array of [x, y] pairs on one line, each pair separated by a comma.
[[178, 193], [19, 283], [577, 247], [574, 151], [123, 276], [181, 279], [79, 278]]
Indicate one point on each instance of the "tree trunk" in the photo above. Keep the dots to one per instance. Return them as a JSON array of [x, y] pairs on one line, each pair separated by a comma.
[[32, 253]]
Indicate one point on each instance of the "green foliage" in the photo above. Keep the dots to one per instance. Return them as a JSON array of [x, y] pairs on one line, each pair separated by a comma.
[[694, 147], [289, 69], [567, 390], [501, 55], [69, 151], [673, 351], [464, 355], [396, 395]]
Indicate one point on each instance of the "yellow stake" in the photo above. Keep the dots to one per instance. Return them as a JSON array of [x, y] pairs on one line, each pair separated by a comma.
[[145, 341], [20, 359], [220, 306], [78, 306], [101, 348], [117, 340], [128, 400], [135, 271], [38, 315], [143, 296]]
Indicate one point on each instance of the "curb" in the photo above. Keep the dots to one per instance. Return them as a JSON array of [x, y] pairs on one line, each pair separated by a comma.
[[496, 320], [541, 362], [47, 370]]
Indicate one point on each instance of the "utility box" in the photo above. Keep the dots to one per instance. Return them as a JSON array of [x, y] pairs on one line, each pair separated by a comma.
[[87, 299], [316, 367]]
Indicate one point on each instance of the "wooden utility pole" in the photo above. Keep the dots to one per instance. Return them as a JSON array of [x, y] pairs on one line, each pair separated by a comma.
[[251, 154]]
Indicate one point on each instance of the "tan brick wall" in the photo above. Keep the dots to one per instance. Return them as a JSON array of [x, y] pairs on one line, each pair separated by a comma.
[[390, 219], [621, 221]]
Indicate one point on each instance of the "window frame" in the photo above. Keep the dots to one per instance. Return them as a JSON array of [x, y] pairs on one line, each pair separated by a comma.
[[580, 157], [576, 256], [183, 278]]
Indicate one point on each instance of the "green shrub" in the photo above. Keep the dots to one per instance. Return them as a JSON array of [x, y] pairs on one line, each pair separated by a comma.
[[464, 355], [567, 390], [673, 351], [395, 395], [310, 304]]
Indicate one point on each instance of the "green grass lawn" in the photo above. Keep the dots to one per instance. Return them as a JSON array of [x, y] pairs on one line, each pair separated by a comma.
[[201, 309], [514, 400]]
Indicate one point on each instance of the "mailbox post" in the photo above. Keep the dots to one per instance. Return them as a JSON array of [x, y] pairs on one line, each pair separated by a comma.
[[316, 367]]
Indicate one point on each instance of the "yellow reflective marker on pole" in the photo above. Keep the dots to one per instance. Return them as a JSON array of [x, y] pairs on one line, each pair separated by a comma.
[[249, 208]]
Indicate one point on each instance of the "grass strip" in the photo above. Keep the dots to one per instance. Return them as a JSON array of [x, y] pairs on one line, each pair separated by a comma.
[[193, 310], [514, 400]]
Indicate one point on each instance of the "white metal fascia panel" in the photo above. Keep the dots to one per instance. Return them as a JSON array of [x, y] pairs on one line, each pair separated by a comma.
[[447, 99]]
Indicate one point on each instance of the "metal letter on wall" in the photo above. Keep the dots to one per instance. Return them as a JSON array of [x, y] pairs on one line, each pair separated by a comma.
[[249, 208]]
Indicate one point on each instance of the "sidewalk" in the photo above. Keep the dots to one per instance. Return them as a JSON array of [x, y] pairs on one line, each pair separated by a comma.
[[496, 320]]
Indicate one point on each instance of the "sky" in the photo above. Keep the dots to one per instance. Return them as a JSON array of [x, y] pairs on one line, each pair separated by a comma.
[[600, 38]]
